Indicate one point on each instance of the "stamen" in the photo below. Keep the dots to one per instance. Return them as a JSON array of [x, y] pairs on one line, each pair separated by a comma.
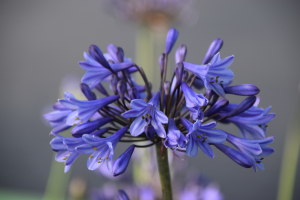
[[143, 117], [76, 118], [203, 134], [148, 115], [266, 126], [106, 158], [216, 80], [221, 81], [99, 161], [258, 161], [199, 136], [74, 124], [211, 82], [204, 139], [211, 78], [261, 158], [217, 76], [95, 148], [259, 125], [65, 158], [91, 156], [99, 158]]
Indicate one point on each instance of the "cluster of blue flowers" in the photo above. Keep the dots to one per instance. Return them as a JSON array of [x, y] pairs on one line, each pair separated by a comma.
[[175, 117]]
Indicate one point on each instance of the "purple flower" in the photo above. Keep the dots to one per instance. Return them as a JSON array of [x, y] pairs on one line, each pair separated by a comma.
[[146, 114], [84, 110], [96, 71], [194, 101], [101, 149], [65, 148], [174, 138], [214, 75], [252, 122], [255, 149], [171, 39], [201, 135]]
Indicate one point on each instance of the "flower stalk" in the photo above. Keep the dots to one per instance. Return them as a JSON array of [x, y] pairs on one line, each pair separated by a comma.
[[164, 172]]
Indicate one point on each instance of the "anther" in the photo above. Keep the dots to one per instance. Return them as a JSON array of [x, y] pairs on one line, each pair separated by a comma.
[[259, 125], [99, 158], [261, 158], [99, 161], [76, 118], [258, 161], [74, 124], [216, 80], [266, 126], [199, 136], [211, 78], [91, 156], [211, 82], [95, 148], [217, 76], [143, 117], [65, 158], [203, 134], [106, 158]]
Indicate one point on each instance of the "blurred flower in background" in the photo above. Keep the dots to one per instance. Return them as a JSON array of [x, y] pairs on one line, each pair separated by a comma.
[[154, 13]]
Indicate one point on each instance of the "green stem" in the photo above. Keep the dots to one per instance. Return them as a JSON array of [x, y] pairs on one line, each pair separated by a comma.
[[164, 172]]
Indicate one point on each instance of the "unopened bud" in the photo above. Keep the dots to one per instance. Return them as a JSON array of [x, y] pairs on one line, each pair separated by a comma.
[[214, 48], [161, 61], [121, 87], [185, 76], [97, 54], [167, 86], [150, 132], [171, 39], [120, 54], [133, 93], [180, 54], [179, 72], [243, 106], [113, 83], [85, 89]]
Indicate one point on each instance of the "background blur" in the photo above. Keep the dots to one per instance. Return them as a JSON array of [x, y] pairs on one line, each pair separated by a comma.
[[42, 41]]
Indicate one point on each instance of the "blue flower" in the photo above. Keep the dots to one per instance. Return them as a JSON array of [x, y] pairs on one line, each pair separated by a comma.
[[122, 195], [83, 110], [65, 148], [146, 114], [174, 138], [96, 72], [214, 75], [251, 122], [101, 149], [255, 149], [193, 101], [201, 135]]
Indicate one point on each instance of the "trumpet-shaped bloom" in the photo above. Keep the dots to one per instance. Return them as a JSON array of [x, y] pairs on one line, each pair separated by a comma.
[[255, 149], [214, 75], [252, 122], [146, 114], [101, 149], [193, 101], [96, 72], [201, 135], [174, 138], [84, 110]]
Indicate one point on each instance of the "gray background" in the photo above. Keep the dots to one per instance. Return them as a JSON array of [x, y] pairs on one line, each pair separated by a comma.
[[42, 41]]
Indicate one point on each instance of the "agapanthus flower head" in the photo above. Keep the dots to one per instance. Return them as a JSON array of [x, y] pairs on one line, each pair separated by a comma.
[[175, 117]]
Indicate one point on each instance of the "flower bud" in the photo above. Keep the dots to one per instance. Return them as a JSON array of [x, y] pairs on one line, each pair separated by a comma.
[[150, 132], [217, 107], [171, 39], [101, 89], [185, 75], [85, 89], [121, 87], [113, 83], [120, 54], [235, 155], [122, 195], [133, 93], [122, 162], [167, 86], [96, 53], [180, 54], [179, 72], [89, 127], [243, 90], [214, 48], [243, 106], [161, 61]]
